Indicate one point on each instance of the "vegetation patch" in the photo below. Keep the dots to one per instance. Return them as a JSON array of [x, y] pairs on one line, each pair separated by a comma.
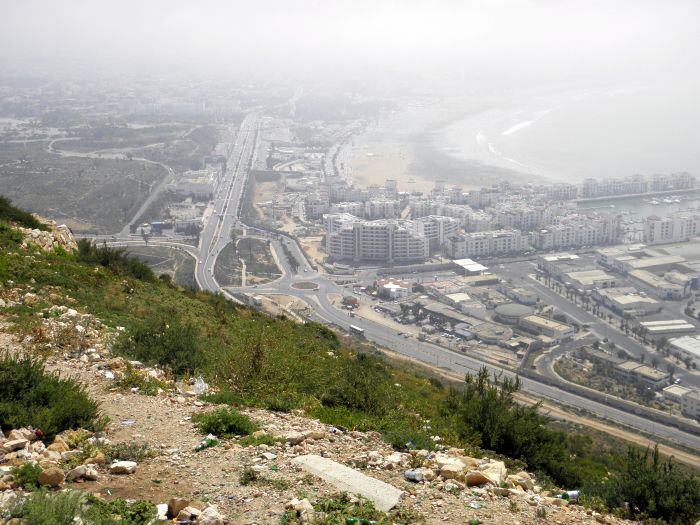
[[30, 396], [224, 423], [10, 213]]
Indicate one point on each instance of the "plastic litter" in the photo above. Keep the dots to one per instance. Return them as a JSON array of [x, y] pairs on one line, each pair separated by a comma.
[[475, 505], [207, 442], [200, 386]]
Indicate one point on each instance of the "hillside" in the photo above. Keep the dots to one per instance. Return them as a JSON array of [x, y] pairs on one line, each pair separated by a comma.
[[139, 343]]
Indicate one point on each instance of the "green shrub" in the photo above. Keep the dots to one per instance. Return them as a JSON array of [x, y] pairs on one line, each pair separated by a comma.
[[362, 386], [225, 397], [224, 422], [279, 404], [11, 214], [649, 487], [30, 396], [45, 508], [114, 259], [27, 475], [9, 237], [171, 344], [126, 452], [119, 512], [265, 439]]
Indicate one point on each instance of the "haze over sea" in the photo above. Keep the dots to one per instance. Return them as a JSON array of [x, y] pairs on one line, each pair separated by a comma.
[[598, 132]]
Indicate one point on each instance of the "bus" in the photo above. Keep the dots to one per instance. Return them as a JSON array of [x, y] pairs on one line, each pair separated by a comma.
[[357, 330]]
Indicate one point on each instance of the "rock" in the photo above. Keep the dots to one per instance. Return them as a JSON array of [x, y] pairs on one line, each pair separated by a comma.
[[384, 496], [91, 473], [210, 516], [97, 459], [175, 505], [419, 474], [499, 491], [303, 508], [269, 455], [22, 433], [58, 446], [452, 471], [293, 437], [314, 435], [475, 478], [162, 512], [15, 444], [557, 502], [495, 471], [519, 481], [123, 467], [51, 477], [188, 513], [76, 473]]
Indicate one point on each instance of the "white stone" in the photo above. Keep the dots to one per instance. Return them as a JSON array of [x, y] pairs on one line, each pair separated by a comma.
[[123, 467], [384, 496]]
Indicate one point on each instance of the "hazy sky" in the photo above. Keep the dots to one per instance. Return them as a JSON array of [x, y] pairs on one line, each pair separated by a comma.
[[541, 37]]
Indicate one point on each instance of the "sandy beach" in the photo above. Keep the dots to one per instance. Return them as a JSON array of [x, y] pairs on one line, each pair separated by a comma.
[[408, 146]]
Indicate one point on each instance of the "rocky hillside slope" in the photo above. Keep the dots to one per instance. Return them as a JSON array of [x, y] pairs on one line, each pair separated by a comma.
[[274, 467]]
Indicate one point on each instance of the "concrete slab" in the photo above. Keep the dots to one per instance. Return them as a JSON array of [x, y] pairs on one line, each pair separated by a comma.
[[384, 496]]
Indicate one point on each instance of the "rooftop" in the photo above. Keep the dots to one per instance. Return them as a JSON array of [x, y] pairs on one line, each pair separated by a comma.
[[688, 343]]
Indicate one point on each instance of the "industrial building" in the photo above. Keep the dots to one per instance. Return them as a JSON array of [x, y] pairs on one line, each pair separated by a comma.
[[626, 300], [542, 326], [687, 347]]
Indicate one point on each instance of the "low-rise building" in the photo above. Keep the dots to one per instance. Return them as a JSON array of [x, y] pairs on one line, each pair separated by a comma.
[[393, 288], [590, 279], [666, 327], [633, 371], [687, 347], [658, 285], [690, 404], [548, 327], [675, 392], [626, 300]]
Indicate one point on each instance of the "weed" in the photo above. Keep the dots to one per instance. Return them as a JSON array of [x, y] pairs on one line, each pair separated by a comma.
[[126, 452], [224, 422], [27, 475], [248, 476], [133, 379], [541, 512]]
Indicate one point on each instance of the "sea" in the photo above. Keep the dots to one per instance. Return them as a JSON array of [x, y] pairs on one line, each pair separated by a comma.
[[572, 134]]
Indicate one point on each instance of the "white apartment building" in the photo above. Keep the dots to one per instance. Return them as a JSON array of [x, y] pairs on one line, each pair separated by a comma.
[[600, 188], [679, 227], [382, 241], [437, 229], [578, 230], [496, 242]]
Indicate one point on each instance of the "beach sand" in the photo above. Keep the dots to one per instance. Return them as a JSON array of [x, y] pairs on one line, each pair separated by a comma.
[[407, 146]]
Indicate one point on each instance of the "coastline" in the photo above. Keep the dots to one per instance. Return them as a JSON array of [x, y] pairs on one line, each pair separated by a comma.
[[409, 146]]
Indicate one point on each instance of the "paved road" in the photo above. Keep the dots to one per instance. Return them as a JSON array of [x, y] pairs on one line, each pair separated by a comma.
[[216, 233]]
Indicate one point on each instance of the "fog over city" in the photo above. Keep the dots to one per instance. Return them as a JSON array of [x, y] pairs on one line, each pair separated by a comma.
[[546, 40]]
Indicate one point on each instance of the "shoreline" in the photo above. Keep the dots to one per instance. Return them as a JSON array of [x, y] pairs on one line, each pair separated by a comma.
[[407, 146]]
